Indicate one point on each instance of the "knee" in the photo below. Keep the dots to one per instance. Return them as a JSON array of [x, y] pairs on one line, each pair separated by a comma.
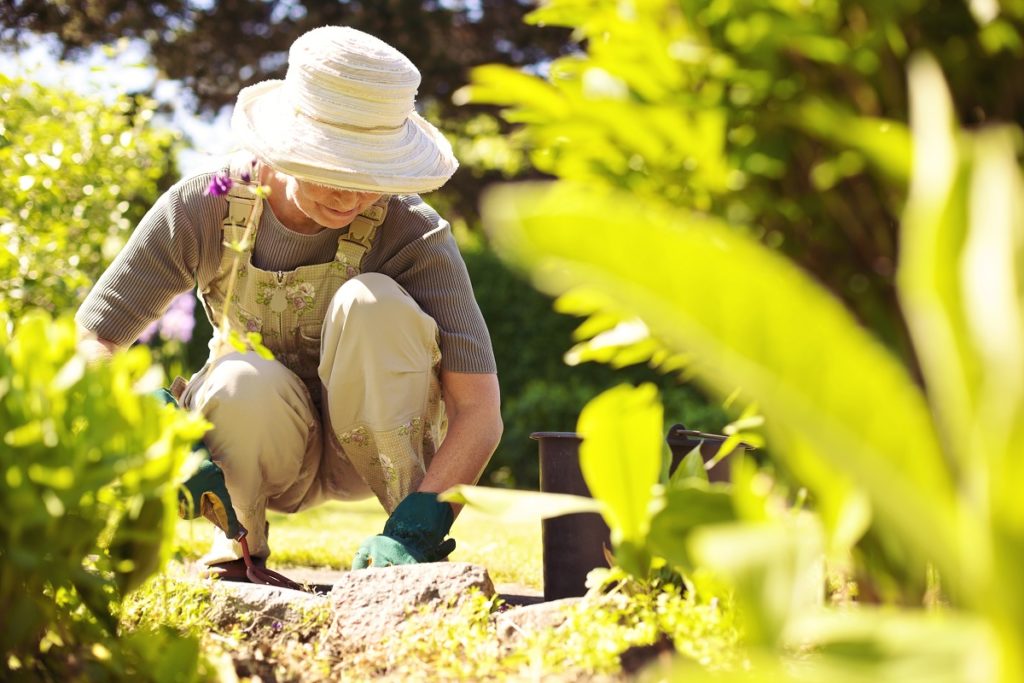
[[250, 391], [372, 300]]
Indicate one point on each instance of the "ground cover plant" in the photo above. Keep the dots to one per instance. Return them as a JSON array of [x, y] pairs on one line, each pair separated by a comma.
[[460, 642]]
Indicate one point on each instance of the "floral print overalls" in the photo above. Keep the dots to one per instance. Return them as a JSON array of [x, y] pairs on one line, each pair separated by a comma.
[[288, 310]]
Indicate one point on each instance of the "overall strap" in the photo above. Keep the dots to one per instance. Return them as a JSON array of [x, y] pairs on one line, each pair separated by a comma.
[[243, 206], [354, 245]]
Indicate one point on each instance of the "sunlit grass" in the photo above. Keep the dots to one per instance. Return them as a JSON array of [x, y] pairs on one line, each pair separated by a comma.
[[328, 536]]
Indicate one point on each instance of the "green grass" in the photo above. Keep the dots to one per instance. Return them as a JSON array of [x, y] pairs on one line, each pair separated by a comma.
[[329, 535]]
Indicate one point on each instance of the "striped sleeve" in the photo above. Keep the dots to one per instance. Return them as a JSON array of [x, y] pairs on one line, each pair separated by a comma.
[[421, 255], [160, 261]]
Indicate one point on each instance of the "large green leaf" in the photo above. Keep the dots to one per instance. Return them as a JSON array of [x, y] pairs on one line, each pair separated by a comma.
[[933, 235], [620, 456], [687, 508], [962, 287], [749, 319], [507, 505]]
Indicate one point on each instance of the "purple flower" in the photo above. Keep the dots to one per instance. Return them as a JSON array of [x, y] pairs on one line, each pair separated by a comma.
[[220, 183], [179, 320], [177, 325]]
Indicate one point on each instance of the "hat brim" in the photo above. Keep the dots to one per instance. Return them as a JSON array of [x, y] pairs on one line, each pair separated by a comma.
[[413, 158]]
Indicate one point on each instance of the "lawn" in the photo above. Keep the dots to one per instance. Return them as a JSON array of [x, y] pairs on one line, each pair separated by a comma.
[[329, 535]]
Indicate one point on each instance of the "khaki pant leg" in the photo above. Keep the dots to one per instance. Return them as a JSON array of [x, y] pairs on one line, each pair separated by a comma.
[[265, 437], [379, 367]]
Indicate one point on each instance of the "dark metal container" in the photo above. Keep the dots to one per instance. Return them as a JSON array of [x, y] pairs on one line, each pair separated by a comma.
[[575, 544], [682, 440], [572, 544]]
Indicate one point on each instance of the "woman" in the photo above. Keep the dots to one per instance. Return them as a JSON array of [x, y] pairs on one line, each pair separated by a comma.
[[383, 381]]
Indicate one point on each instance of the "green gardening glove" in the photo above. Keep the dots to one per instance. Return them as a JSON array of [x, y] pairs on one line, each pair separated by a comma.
[[414, 533], [205, 493]]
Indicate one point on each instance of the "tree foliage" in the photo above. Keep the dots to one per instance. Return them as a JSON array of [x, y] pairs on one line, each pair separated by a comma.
[[218, 47]]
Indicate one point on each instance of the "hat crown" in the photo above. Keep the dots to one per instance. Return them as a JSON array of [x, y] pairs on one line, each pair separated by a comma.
[[344, 77]]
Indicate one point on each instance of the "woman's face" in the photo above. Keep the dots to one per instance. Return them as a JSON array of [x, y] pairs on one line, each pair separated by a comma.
[[329, 207]]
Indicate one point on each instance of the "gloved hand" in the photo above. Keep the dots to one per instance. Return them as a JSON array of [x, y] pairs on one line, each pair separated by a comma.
[[414, 533], [205, 493]]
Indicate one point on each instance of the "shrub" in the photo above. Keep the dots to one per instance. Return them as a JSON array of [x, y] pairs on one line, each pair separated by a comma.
[[87, 502], [77, 175]]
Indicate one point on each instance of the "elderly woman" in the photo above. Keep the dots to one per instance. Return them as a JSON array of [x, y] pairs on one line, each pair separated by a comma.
[[383, 380]]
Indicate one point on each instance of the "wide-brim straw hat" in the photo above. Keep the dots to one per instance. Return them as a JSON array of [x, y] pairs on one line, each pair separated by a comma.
[[345, 116]]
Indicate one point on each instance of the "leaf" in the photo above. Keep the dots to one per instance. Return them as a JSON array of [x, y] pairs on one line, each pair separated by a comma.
[[885, 144], [776, 570], [503, 85], [928, 275], [507, 505], [135, 548], [685, 509], [93, 591], [749, 318], [620, 455], [961, 281], [691, 466]]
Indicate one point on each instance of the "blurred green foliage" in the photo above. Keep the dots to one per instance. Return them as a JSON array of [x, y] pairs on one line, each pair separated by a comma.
[[540, 392], [76, 175], [784, 118], [926, 477], [88, 506]]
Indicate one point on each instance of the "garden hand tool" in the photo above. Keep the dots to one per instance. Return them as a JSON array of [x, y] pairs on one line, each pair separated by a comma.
[[205, 494], [414, 533]]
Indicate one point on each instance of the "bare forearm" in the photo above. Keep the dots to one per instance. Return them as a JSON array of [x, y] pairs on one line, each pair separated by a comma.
[[470, 442], [474, 429]]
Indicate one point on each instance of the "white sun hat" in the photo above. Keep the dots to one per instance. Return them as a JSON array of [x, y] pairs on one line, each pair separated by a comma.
[[345, 116]]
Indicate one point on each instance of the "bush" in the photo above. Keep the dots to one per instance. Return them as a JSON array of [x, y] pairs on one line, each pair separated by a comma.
[[76, 174], [87, 502]]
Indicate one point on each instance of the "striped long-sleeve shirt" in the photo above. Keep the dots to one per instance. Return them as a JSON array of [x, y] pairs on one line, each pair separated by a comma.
[[178, 243]]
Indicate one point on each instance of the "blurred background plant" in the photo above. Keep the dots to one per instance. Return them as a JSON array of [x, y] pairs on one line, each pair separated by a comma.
[[774, 116]]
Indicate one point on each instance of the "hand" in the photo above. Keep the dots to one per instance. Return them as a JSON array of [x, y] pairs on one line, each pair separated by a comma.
[[205, 493], [414, 533]]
